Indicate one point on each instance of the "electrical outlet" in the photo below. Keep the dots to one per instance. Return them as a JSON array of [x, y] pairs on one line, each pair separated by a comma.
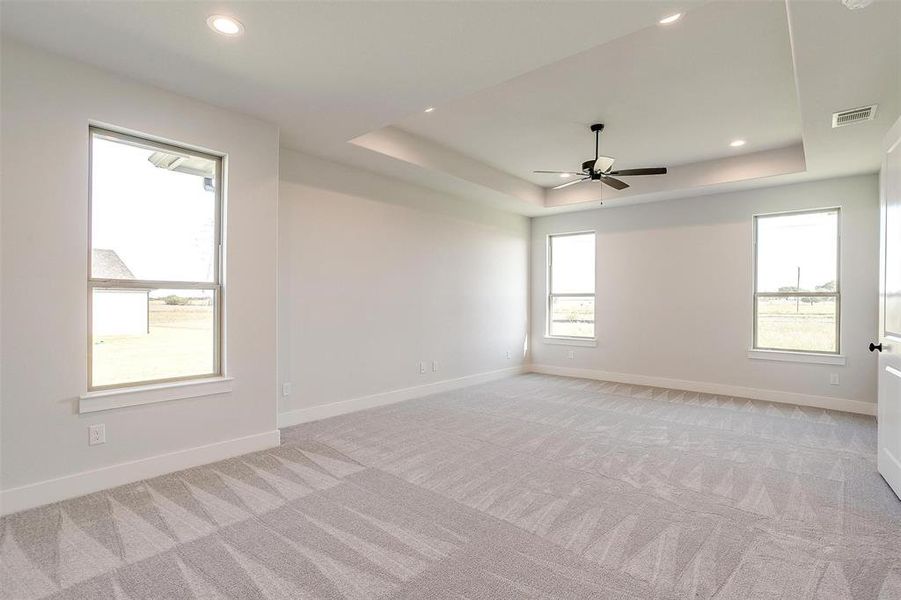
[[286, 389], [96, 434], [570, 355], [508, 354], [434, 366], [833, 378], [421, 368]]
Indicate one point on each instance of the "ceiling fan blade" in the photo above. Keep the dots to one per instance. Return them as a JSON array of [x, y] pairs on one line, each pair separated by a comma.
[[614, 183], [651, 171], [569, 183], [561, 173]]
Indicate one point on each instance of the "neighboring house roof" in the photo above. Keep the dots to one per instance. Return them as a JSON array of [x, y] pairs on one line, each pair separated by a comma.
[[106, 264]]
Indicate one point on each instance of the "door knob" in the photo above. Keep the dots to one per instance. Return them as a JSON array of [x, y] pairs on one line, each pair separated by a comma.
[[875, 346]]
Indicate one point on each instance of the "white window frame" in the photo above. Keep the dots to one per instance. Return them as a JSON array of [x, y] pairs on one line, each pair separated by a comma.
[[575, 340], [214, 286], [800, 354]]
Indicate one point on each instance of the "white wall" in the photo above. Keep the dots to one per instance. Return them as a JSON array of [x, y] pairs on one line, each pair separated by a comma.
[[674, 287], [47, 104], [377, 275]]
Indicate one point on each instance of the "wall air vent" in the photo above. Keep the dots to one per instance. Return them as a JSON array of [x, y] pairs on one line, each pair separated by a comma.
[[853, 115]]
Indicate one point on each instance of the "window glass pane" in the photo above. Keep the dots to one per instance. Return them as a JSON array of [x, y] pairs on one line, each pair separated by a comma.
[[143, 335], [153, 213], [797, 252], [803, 323], [572, 264], [572, 316]]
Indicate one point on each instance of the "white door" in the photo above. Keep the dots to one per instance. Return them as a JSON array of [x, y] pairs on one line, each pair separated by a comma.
[[889, 457]]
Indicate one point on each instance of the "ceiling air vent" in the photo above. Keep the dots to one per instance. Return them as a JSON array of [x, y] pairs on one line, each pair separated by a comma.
[[853, 115]]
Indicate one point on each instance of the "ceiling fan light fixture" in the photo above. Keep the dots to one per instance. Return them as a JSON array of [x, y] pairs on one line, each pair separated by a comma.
[[603, 163], [670, 19]]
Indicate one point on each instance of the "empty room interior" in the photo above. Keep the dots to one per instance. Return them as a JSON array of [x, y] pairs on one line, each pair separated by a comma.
[[450, 299]]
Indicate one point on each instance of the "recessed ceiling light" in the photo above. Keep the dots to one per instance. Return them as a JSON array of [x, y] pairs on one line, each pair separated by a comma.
[[670, 19], [429, 109], [225, 25], [737, 143], [564, 175]]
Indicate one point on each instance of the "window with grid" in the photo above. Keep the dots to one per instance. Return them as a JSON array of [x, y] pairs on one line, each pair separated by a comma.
[[154, 292], [797, 292], [571, 293]]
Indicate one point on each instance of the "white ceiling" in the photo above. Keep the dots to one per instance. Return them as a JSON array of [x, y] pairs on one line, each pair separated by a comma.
[[515, 84], [324, 71], [845, 59], [668, 95]]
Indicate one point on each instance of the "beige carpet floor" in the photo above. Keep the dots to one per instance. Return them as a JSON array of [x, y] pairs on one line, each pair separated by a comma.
[[529, 487]]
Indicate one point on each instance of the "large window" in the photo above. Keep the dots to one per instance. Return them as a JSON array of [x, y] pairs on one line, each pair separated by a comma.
[[154, 282], [570, 303], [797, 295]]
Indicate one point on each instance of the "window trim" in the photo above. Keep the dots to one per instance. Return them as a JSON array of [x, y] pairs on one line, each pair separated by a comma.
[[576, 339], [120, 397], [817, 358], [215, 286], [755, 348]]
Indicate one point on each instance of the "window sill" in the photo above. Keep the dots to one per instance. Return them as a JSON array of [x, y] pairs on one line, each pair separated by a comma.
[[565, 341], [798, 357], [157, 392]]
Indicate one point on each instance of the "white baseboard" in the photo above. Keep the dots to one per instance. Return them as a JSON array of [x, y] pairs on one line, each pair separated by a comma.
[[70, 486], [843, 404], [324, 411]]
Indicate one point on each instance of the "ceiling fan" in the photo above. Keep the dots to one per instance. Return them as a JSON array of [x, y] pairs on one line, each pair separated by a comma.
[[599, 169]]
